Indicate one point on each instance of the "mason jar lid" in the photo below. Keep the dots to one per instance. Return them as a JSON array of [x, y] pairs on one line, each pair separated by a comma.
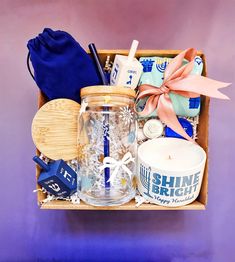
[[107, 90]]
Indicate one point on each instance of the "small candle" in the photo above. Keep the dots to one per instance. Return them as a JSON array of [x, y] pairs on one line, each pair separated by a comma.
[[170, 171]]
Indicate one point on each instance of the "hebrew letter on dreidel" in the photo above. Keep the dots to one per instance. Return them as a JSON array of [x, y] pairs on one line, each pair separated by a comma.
[[130, 79], [54, 187]]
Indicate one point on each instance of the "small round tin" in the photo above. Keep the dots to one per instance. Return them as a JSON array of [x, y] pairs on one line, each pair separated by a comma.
[[153, 128]]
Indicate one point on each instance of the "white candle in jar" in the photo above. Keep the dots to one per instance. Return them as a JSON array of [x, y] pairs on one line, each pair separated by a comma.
[[170, 171]]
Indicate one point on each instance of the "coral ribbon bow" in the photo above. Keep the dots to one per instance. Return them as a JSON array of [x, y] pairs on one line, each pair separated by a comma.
[[112, 163], [177, 79]]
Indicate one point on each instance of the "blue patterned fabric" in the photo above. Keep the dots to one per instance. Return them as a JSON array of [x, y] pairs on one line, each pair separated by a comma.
[[153, 74], [61, 65]]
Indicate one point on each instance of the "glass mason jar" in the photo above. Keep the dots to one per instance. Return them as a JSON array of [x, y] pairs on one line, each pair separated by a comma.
[[107, 145]]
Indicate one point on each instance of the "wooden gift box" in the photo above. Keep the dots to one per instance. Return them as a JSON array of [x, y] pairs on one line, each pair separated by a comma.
[[199, 203]]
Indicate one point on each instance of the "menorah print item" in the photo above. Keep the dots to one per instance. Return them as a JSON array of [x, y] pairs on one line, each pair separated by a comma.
[[126, 70], [170, 171], [178, 80], [108, 114], [58, 178], [153, 74]]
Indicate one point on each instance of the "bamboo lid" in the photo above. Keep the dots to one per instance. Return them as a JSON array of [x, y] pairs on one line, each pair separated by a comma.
[[107, 90], [55, 127]]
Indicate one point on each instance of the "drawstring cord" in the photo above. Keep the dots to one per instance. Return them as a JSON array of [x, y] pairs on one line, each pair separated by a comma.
[[29, 68]]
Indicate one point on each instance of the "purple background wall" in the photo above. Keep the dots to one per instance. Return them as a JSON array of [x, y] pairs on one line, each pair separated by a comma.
[[29, 234]]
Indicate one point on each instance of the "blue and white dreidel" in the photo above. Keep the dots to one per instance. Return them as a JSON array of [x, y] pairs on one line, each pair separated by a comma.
[[57, 177], [126, 70]]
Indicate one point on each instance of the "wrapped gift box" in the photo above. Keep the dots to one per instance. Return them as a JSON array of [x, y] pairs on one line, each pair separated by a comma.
[[200, 203]]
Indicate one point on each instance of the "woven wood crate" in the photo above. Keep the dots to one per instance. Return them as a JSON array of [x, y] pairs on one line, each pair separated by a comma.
[[200, 202]]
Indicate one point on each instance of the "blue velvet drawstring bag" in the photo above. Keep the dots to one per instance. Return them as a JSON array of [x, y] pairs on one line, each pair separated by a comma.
[[61, 66]]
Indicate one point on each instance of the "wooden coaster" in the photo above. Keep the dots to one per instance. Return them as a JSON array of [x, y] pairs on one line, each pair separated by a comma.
[[54, 129]]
